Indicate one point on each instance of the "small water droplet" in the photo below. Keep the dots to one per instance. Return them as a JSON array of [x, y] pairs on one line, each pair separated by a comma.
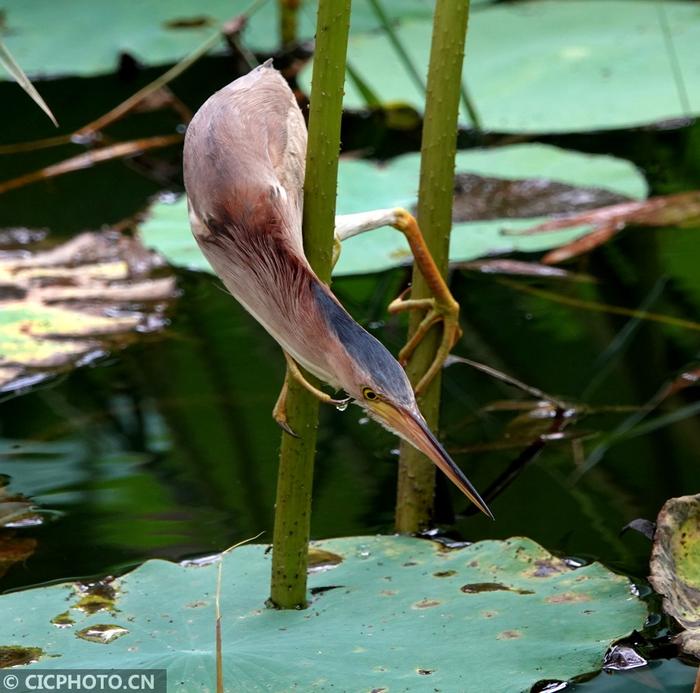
[[102, 633], [652, 620], [363, 552], [550, 686], [201, 561], [167, 197], [622, 658], [342, 406], [364, 420]]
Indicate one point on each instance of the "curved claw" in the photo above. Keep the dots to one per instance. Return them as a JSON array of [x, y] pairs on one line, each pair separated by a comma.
[[279, 412], [442, 307], [437, 311], [282, 423]]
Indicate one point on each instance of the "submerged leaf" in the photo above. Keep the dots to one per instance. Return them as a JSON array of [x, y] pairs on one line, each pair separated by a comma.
[[489, 197], [64, 306], [14, 549], [675, 566], [407, 609]]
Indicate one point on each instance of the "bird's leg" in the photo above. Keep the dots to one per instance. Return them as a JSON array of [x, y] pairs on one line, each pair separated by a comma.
[[442, 307], [337, 247], [279, 413]]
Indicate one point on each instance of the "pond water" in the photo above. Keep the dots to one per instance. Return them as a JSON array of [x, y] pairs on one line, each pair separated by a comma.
[[167, 448]]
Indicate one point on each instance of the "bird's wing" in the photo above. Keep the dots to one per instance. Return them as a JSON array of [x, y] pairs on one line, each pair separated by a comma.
[[286, 132]]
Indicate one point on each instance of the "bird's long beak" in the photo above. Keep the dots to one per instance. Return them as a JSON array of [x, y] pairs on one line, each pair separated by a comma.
[[412, 427]]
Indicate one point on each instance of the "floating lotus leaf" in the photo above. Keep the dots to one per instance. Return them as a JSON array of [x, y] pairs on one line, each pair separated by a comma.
[[548, 66], [365, 185], [396, 613], [96, 32], [532, 67]]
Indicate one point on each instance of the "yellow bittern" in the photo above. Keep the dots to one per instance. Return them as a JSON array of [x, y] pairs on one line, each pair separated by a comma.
[[244, 163]]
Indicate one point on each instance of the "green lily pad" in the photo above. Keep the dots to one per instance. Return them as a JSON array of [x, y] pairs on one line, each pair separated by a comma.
[[365, 185], [546, 66], [675, 566], [584, 78], [397, 613], [153, 32]]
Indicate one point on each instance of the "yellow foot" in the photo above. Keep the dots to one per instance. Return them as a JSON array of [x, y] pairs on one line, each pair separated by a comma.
[[442, 307], [279, 412], [436, 311]]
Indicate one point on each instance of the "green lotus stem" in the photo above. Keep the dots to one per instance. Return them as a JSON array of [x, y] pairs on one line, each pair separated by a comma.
[[470, 106], [416, 486], [403, 55], [295, 478], [410, 65], [289, 20]]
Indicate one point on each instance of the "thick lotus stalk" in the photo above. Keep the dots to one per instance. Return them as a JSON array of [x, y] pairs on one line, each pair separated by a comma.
[[416, 487], [295, 479]]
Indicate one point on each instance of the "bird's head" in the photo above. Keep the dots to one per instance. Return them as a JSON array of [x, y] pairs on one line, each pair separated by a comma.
[[374, 379], [389, 400]]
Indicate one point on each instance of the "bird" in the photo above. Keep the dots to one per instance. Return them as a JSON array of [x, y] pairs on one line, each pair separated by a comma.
[[244, 163]]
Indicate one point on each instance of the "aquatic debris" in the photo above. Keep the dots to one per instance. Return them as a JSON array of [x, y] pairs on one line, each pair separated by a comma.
[[675, 569], [68, 305], [607, 221], [14, 549], [15, 509]]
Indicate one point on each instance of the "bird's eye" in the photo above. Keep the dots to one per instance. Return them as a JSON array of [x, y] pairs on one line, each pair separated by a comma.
[[369, 393]]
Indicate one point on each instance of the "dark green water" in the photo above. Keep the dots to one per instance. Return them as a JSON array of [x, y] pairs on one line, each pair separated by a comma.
[[168, 449]]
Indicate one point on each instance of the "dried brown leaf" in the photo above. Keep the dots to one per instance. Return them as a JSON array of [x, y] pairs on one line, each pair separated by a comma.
[[72, 302], [664, 210]]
